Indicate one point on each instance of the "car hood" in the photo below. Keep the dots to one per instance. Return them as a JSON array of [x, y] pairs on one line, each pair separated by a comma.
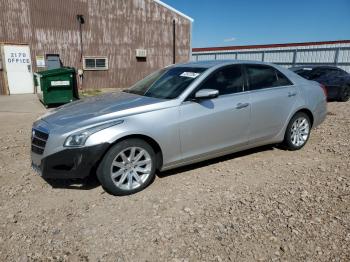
[[96, 109]]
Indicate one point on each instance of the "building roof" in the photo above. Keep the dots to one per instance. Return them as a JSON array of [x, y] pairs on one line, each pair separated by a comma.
[[228, 48], [213, 63], [204, 64], [173, 9]]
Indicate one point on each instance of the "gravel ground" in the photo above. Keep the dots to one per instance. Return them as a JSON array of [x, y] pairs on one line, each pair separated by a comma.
[[264, 204]]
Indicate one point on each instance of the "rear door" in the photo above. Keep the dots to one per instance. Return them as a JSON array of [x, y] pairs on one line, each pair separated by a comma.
[[216, 124], [272, 98]]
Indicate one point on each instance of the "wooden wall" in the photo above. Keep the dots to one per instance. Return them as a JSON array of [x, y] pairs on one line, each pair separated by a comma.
[[113, 28], [3, 82]]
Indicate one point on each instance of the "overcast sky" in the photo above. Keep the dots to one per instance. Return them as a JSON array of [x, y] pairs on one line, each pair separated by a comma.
[[246, 22]]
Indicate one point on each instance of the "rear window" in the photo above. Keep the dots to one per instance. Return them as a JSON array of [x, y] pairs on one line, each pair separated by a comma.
[[261, 76], [282, 80]]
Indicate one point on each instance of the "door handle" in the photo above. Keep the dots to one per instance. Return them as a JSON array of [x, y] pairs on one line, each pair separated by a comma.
[[291, 94], [241, 105]]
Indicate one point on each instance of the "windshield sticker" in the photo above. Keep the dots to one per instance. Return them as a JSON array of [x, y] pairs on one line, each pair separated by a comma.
[[307, 68], [190, 74]]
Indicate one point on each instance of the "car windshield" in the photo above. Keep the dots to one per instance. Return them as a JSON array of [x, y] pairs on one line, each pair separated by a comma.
[[166, 83]]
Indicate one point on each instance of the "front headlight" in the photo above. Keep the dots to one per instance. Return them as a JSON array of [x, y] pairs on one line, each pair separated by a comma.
[[78, 139]]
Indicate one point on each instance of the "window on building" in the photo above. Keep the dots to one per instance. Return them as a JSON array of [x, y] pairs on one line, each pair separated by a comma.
[[228, 80], [261, 76], [95, 63], [53, 61]]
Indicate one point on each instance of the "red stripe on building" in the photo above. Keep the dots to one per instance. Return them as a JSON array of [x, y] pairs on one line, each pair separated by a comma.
[[228, 48]]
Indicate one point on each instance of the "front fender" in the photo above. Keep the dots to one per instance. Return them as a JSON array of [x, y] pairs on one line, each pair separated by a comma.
[[161, 127]]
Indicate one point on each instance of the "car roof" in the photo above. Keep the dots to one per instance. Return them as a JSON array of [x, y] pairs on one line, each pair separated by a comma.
[[215, 63]]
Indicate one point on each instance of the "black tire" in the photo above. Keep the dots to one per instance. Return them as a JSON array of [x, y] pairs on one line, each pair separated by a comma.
[[345, 96], [104, 169], [288, 143]]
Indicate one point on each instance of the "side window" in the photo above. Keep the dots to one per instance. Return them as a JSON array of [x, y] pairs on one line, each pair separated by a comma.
[[315, 73], [342, 72], [327, 71], [324, 72], [282, 80], [261, 76], [330, 73], [337, 72], [228, 80]]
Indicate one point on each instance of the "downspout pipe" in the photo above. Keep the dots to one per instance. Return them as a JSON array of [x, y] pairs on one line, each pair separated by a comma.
[[174, 41]]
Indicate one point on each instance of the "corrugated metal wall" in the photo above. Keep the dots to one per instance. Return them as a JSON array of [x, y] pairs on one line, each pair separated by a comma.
[[113, 28], [329, 54]]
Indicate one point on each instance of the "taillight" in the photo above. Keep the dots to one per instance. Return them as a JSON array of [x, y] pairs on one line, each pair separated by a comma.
[[324, 89]]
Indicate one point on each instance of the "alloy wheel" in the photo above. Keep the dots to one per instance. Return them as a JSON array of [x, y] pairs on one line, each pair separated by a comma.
[[131, 168], [300, 131]]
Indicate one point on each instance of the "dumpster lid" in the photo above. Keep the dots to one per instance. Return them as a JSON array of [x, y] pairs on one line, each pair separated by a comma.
[[57, 71]]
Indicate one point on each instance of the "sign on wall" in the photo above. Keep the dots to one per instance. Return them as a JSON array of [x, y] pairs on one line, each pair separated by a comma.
[[16, 57], [141, 53], [40, 61]]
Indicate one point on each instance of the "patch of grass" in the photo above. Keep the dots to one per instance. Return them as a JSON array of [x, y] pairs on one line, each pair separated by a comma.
[[89, 93], [96, 92]]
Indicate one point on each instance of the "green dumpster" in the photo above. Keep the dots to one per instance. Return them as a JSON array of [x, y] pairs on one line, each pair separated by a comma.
[[56, 86]]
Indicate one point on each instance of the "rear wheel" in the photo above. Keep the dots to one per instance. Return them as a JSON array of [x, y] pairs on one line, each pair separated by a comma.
[[128, 167], [298, 132]]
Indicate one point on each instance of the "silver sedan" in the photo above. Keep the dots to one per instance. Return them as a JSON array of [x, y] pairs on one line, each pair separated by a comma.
[[179, 115]]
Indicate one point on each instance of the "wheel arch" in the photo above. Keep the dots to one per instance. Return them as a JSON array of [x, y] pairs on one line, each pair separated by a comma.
[[153, 143], [308, 113]]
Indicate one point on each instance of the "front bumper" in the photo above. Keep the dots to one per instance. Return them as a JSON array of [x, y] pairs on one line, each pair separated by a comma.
[[69, 163]]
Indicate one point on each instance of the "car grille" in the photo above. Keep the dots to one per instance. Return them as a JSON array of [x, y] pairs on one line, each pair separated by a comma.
[[39, 139]]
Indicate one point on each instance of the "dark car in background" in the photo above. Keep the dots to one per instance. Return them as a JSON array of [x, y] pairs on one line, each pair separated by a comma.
[[335, 80]]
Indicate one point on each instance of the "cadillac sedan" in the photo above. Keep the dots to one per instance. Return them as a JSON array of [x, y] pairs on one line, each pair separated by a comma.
[[179, 115]]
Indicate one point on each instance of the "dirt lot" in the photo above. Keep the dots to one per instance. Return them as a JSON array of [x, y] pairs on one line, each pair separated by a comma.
[[261, 205]]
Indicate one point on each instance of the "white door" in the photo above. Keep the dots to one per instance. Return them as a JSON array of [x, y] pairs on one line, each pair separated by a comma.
[[19, 69]]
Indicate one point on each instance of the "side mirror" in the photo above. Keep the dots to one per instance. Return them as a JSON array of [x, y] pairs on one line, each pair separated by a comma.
[[206, 94]]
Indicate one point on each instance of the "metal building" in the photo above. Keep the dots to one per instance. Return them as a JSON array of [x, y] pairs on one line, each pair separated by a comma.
[[114, 42], [292, 54]]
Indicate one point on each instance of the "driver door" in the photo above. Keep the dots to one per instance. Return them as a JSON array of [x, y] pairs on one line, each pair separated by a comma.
[[215, 125]]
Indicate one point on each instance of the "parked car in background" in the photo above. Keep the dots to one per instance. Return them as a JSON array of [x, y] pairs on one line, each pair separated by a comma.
[[179, 115], [335, 80]]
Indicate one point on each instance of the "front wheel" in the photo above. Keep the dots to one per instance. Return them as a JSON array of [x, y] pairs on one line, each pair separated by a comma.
[[298, 131], [128, 167]]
